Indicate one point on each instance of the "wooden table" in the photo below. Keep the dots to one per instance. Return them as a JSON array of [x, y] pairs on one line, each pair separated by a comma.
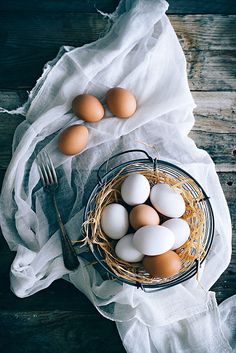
[[60, 319]]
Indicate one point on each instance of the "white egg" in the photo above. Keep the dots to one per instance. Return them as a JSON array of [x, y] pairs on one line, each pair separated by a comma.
[[126, 251], [135, 189], [167, 201], [181, 230], [115, 221], [153, 240]]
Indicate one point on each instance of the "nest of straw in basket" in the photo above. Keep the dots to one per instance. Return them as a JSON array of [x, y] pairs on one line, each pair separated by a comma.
[[190, 251]]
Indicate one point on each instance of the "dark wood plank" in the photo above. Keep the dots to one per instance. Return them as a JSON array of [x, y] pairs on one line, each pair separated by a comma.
[[43, 30], [205, 32], [215, 111], [57, 332], [29, 40], [175, 6], [60, 6], [8, 124], [211, 70], [212, 108], [56, 296], [52, 298], [2, 173], [202, 6], [13, 99], [225, 287], [61, 319], [221, 148], [214, 129], [228, 183], [207, 71]]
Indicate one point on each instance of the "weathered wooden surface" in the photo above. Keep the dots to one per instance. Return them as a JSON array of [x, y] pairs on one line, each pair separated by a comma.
[[215, 125], [29, 40], [60, 319], [57, 332], [176, 6], [56, 296]]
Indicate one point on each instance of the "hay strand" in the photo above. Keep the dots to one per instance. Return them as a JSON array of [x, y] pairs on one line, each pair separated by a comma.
[[193, 249]]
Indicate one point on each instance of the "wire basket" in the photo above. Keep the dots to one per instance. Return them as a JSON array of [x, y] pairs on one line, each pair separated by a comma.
[[156, 171]]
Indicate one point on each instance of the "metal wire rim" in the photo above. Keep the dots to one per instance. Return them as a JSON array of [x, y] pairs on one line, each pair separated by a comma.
[[171, 168]]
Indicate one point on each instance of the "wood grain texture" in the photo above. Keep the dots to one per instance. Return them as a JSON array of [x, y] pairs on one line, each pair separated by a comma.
[[175, 6], [208, 32], [60, 6], [215, 112], [214, 130], [57, 332], [8, 124], [43, 30], [31, 39], [225, 287], [207, 71], [52, 298], [56, 296], [60, 318], [221, 148], [211, 70]]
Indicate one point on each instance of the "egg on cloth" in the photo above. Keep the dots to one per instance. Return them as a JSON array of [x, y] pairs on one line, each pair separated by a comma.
[[115, 221], [121, 102], [153, 240], [135, 189], [126, 251], [181, 230], [73, 139], [167, 201], [164, 265], [143, 215], [88, 108]]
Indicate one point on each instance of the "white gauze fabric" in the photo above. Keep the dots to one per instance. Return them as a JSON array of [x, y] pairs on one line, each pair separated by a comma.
[[141, 53]]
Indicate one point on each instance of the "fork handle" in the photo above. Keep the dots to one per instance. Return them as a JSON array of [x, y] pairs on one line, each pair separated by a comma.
[[70, 258]]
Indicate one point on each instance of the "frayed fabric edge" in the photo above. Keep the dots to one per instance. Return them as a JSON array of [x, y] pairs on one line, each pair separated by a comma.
[[23, 110], [18, 111]]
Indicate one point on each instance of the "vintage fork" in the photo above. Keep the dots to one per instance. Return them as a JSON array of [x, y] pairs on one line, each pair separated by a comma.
[[50, 183]]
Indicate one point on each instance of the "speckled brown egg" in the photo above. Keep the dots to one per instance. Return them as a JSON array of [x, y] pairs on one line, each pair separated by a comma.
[[143, 215], [162, 266], [88, 108], [73, 139], [121, 102]]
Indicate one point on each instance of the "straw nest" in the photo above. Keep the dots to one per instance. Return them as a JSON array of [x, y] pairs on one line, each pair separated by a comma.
[[192, 250]]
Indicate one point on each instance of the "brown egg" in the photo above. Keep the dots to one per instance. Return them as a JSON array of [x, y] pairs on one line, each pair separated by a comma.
[[73, 139], [143, 215], [121, 102], [88, 108], [162, 266]]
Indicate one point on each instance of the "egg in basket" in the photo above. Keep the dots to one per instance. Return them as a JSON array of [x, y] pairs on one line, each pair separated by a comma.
[[148, 222]]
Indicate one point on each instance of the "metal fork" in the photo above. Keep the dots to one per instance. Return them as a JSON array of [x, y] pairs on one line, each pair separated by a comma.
[[50, 183]]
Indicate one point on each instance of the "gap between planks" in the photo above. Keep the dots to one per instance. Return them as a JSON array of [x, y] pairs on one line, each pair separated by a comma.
[[47, 31], [214, 128], [175, 6], [29, 40]]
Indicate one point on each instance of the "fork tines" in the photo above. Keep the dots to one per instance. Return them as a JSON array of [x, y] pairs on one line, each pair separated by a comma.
[[46, 169]]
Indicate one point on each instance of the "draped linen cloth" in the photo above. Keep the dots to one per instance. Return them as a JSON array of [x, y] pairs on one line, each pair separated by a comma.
[[140, 52]]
